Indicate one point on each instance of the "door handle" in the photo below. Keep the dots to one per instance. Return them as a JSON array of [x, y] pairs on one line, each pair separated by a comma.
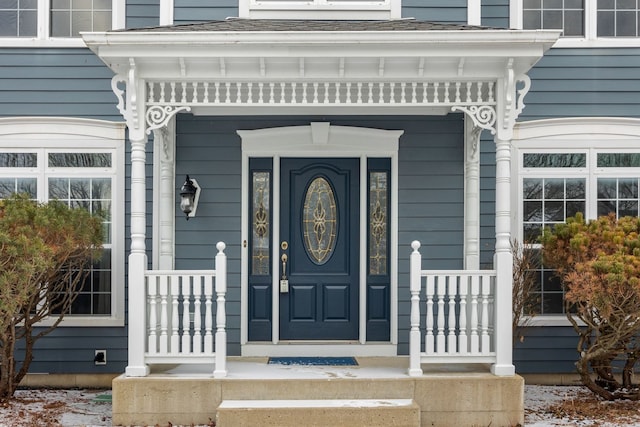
[[284, 258], [284, 282]]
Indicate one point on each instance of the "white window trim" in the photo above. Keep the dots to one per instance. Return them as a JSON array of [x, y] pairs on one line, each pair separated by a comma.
[[118, 19], [32, 133], [590, 40], [586, 134]]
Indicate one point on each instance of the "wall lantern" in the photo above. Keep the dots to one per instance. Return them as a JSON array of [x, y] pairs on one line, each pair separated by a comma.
[[189, 195]]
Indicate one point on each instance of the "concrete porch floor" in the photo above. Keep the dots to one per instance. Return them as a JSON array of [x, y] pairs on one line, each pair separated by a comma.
[[282, 395]]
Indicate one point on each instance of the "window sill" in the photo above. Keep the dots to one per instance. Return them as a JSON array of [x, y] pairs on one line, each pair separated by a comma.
[[568, 42], [548, 320], [33, 42], [87, 321]]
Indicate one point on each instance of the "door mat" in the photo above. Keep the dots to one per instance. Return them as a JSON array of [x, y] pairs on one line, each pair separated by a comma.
[[314, 361]]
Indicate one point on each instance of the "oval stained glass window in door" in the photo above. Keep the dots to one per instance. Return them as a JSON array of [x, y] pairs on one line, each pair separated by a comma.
[[319, 221]]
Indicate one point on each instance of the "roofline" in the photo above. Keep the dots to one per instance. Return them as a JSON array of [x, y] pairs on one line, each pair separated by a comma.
[[444, 37]]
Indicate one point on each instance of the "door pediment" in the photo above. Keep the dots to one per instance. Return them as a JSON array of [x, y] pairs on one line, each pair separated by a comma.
[[320, 139]]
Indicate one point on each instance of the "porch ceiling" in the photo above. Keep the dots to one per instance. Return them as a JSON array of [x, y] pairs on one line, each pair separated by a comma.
[[240, 66]]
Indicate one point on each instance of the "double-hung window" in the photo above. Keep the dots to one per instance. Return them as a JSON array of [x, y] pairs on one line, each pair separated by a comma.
[[588, 172], [83, 171], [583, 22], [56, 22]]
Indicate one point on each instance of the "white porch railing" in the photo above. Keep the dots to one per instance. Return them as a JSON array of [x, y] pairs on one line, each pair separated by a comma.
[[459, 316], [180, 315]]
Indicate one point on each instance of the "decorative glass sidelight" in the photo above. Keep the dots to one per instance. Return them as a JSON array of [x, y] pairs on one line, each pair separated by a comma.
[[260, 223], [378, 222], [320, 221]]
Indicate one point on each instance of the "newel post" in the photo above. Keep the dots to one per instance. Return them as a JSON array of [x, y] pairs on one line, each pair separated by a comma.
[[221, 315], [414, 334]]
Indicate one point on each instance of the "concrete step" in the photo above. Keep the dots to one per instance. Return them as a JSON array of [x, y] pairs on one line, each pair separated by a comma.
[[318, 413]]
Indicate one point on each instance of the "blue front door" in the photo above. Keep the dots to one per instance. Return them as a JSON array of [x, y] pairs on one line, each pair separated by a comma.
[[319, 249]]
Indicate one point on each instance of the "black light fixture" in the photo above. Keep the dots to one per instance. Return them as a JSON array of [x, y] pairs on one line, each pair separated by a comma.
[[189, 193]]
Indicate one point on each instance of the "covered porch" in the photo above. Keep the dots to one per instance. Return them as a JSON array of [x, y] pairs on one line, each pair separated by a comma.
[[458, 319]]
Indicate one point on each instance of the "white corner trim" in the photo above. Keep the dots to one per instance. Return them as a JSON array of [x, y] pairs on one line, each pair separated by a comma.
[[474, 12], [166, 12], [515, 14]]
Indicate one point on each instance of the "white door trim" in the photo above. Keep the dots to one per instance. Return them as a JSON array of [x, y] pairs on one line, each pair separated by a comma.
[[319, 139]]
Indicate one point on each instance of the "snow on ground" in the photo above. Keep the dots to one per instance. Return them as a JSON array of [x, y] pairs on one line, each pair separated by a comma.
[[92, 408]]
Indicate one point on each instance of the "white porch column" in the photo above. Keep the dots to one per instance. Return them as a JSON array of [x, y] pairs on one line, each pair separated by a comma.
[[471, 195], [137, 260], [503, 262]]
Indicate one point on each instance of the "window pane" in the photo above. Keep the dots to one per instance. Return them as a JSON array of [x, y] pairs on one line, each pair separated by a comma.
[[552, 19], [18, 160], [8, 23], [60, 23], [18, 18], [605, 207], [531, 232], [628, 208], [378, 222], [27, 23], [70, 17], [532, 20], [618, 195], [101, 188], [618, 160], [576, 189], [573, 208], [101, 21], [607, 188], [532, 188], [80, 21], [80, 160], [27, 186], [320, 221], [626, 24], [9, 186], [80, 189], [554, 160], [532, 211], [628, 188], [261, 227], [58, 188], [626, 4], [554, 211], [554, 188], [574, 23]]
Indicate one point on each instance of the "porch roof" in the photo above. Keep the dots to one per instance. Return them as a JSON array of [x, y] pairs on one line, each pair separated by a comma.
[[240, 24], [243, 66]]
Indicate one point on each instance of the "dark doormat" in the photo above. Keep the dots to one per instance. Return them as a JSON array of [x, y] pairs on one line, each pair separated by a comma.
[[314, 361]]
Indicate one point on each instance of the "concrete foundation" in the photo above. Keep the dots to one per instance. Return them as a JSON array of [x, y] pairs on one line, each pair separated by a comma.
[[443, 398]]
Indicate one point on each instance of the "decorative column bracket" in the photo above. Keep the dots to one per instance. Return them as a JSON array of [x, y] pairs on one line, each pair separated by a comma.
[[158, 116], [483, 116]]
